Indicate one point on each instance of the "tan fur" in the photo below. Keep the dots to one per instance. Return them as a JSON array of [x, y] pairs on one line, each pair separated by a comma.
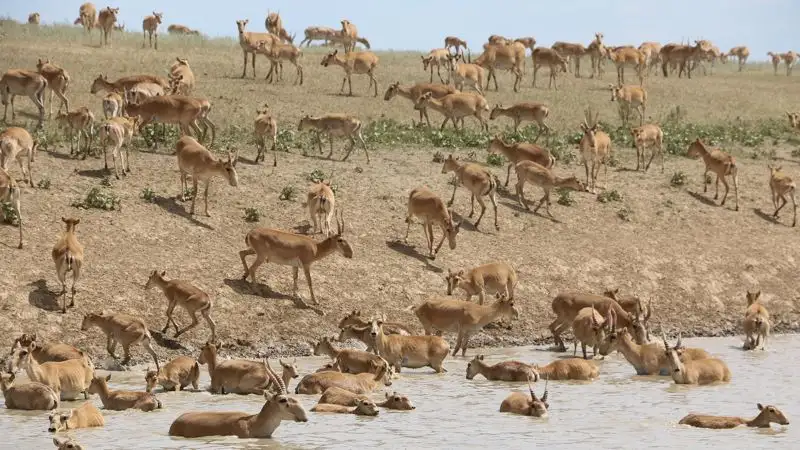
[[652, 54], [87, 15], [492, 278], [122, 329], [181, 77], [34, 18], [756, 322], [568, 369], [181, 29], [719, 162], [524, 112], [28, 396], [80, 121], [236, 376], [10, 192], [278, 52], [274, 25], [597, 52], [521, 151], [632, 58], [57, 351], [197, 162], [354, 318], [248, 41], [781, 185], [318, 34], [456, 43], [543, 56], [22, 82], [702, 371], [348, 360], [468, 74], [175, 375], [361, 383], [335, 395], [17, 144], [537, 175], [112, 105], [629, 98], [265, 127], [570, 51], [767, 415], [566, 306], [409, 351], [114, 133], [57, 80], [647, 359], [68, 257], [501, 57], [67, 379], [184, 111], [741, 53], [106, 21], [437, 57], [523, 404], [502, 371], [360, 408], [122, 400], [335, 125], [415, 91], [349, 32], [429, 207], [67, 444], [644, 137], [454, 107], [190, 298], [595, 147], [321, 203], [358, 63], [85, 416], [478, 181], [123, 84], [150, 27]]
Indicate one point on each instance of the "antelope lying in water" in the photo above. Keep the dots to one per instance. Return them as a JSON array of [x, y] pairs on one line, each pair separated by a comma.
[[360, 408], [67, 444], [28, 396], [175, 375], [278, 407], [767, 415], [85, 416], [238, 376], [502, 371], [338, 396], [702, 371], [362, 383], [519, 403], [568, 369], [122, 400]]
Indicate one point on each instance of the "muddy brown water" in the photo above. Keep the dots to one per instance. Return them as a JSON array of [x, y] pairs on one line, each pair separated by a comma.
[[619, 410]]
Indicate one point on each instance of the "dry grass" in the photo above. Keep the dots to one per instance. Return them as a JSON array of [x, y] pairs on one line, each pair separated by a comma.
[[695, 259]]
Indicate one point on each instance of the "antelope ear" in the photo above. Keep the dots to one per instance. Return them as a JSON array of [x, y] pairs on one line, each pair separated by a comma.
[[760, 406], [480, 357], [108, 377], [163, 273]]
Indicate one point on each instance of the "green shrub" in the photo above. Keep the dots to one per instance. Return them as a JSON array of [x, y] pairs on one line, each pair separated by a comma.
[[10, 215], [609, 196], [288, 193], [678, 179], [494, 159], [316, 176], [565, 197], [99, 199], [149, 195], [44, 183], [251, 215]]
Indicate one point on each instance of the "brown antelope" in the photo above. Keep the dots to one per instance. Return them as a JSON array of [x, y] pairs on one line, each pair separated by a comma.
[[590, 328], [647, 359], [141, 91], [775, 58], [85, 416], [454, 107], [184, 294], [719, 162], [361, 383], [184, 111], [789, 58], [465, 318], [595, 146], [278, 52], [197, 162], [123, 329], [265, 127], [648, 136], [741, 53], [478, 181], [426, 205], [568, 369], [414, 92], [409, 351], [181, 29], [397, 402], [22, 82], [45, 353], [492, 278], [780, 185], [502, 371], [359, 333], [123, 84], [519, 112], [526, 405], [114, 133], [248, 41], [629, 97], [122, 400], [702, 371], [348, 360], [652, 54], [68, 257], [360, 408], [112, 105], [278, 407], [318, 34], [756, 322], [80, 122], [629, 57], [767, 415], [597, 51], [289, 249], [537, 175], [175, 375], [106, 21], [234, 376], [466, 74], [67, 444], [321, 202], [34, 18], [571, 52], [794, 120], [338, 396], [358, 63], [181, 77], [335, 125], [17, 144], [502, 57], [543, 56], [641, 313], [437, 57], [29, 396], [58, 82], [522, 151], [456, 43], [67, 379], [355, 318], [10, 193], [274, 25], [87, 16], [150, 27]]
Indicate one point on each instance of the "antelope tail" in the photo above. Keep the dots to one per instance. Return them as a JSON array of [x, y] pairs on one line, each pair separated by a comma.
[[492, 185], [69, 259]]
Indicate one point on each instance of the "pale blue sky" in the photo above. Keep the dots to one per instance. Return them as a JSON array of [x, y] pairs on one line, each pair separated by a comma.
[[763, 25]]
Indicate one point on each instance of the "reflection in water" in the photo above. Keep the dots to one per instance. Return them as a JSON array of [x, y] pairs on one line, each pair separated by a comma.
[[455, 413]]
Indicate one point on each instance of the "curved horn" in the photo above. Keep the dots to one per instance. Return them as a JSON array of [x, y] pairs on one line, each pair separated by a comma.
[[649, 310], [544, 396], [530, 388], [678, 344], [594, 319], [275, 378], [664, 337]]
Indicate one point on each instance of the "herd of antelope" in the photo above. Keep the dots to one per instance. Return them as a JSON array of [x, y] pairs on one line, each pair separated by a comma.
[[605, 323]]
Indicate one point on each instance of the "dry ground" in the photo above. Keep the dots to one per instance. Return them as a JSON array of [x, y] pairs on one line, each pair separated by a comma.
[[693, 258]]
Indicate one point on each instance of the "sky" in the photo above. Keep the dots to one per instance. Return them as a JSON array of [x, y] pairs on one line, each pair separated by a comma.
[[762, 25]]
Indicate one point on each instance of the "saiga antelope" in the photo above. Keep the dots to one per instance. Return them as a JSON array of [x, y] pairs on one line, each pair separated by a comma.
[[68, 257], [184, 294], [339, 125], [248, 41], [533, 173], [526, 405], [756, 322], [196, 161], [17, 144], [454, 107], [150, 27], [57, 80], [9, 192], [478, 181], [629, 97], [648, 136], [429, 207], [702, 371], [106, 20], [521, 151], [456, 43], [492, 278], [741, 53], [595, 146], [22, 82], [519, 112], [321, 202], [416, 91], [437, 57], [265, 127], [767, 414], [123, 329], [719, 162], [358, 63], [781, 185], [543, 56]]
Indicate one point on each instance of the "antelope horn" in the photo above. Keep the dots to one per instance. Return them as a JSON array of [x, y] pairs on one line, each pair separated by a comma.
[[649, 310], [275, 378], [530, 388], [544, 396], [664, 336], [678, 344], [594, 319]]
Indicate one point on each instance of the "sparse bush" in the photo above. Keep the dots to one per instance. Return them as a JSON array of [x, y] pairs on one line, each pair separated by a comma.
[[625, 214], [99, 199], [105, 181], [796, 152], [188, 192], [678, 179], [438, 157], [251, 215], [10, 215], [44, 183], [707, 179], [494, 159], [288, 193], [316, 176], [149, 195], [609, 196], [565, 197]]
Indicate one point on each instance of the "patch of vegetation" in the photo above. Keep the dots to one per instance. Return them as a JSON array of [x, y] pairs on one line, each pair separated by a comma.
[[625, 214], [188, 192], [288, 193], [149, 195], [251, 215], [438, 157], [609, 196], [44, 183], [707, 178], [284, 140], [316, 176], [678, 179], [99, 199], [105, 181], [565, 197], [10, 215]]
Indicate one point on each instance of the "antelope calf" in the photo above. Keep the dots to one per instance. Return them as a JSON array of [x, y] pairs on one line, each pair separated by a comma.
[[85, 416], [321, 201], [318, 34], [629, 97], [502, 371], [348, 360], [756, 322], [719, 162], [466, 74], [409, 351], [361, 383], [265, 127], [781, 185], [455, 43], [578, 369], [335, 125], [464, 318], [492, 278], [29, 396], [526, 405], [121, 329], [437, 57], [197, 162], [360, 408], [22, 82], [17, 144], [415, 91], [766, 416], [522, 151], [10, 192], [537, 175], [278, 52], [175, 375], [355, 318], [114, 133], [67, 444], [57, 80], [68, 257], [122, 400], [190, 298], [112, 105], [106, 21], [478, 181], [702, 371], [67, 379], [43, 353], [289, 249], [629, 57], [150, 27], [521, 112], [359, 63], [120, 85], [278, 407], [236, 376], [644, 137], [595, 146], [590, 328], [80, 122], [181, 77], [429, 207], [503, 57], [454, 107], [542, 56]]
